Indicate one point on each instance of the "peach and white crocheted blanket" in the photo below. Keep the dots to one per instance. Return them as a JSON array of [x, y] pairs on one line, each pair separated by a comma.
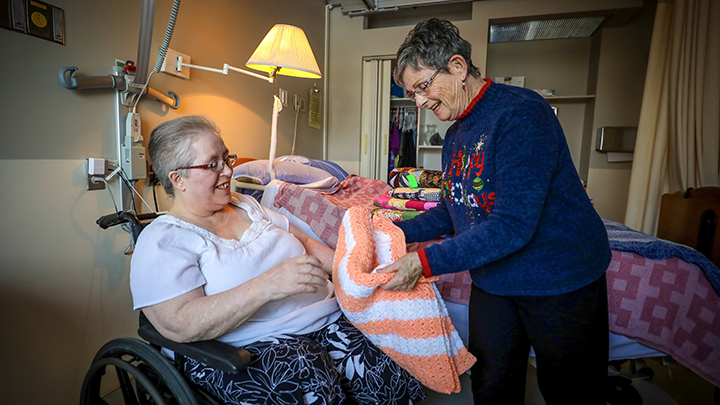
[[412, 327]]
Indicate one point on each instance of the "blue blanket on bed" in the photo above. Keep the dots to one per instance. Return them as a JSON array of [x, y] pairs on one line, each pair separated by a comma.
[[626, 239]]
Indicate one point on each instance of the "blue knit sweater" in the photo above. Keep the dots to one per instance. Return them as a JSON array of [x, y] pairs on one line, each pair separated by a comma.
[[521, 219]]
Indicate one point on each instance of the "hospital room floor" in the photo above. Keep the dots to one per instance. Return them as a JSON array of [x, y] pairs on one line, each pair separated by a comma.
[[677, 386]]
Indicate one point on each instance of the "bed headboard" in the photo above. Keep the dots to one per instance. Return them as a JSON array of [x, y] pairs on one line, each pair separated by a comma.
[[691, 218]]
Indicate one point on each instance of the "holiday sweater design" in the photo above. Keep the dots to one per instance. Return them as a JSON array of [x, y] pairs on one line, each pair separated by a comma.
[[466, 167], [520, 220]]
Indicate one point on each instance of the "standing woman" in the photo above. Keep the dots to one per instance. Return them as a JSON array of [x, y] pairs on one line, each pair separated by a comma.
[[522, 223]]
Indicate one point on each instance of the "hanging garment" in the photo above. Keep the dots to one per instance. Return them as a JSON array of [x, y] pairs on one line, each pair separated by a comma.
[[407, 150], [393, 145]]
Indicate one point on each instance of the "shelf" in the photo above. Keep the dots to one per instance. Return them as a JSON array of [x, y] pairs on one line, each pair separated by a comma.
[[570, 98], [429, 146], [395, 100]]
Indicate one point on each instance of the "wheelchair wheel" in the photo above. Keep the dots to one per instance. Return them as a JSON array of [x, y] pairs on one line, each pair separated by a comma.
[[156, 381]]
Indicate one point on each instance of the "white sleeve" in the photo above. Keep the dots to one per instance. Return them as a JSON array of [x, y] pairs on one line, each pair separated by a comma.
[[278, 219], [165, 264]]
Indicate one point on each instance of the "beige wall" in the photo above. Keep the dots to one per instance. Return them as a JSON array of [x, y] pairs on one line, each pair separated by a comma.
[[622, 60], [621, 78], [559, 64], [64, 281]]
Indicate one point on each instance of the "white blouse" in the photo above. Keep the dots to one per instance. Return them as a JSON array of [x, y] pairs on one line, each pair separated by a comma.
[[173, 257]]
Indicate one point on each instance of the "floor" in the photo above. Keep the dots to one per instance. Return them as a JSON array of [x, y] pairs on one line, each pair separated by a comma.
[[673, 385]]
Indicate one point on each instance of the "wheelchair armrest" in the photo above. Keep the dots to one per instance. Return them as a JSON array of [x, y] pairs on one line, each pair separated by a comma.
[[214, 353]]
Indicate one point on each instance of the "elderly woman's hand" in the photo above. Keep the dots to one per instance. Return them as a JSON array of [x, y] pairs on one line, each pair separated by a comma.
[[297, 275], [408, 271]]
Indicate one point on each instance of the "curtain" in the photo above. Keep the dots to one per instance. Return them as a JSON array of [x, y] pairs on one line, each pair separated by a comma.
[[678, 139]]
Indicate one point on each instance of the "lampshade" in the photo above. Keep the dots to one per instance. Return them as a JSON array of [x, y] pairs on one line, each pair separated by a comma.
[[286, 47]]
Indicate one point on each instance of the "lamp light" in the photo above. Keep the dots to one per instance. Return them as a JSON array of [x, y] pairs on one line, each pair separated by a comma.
[[286, 51]]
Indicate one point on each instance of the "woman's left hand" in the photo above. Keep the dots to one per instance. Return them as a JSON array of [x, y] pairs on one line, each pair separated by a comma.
[[408, 271]]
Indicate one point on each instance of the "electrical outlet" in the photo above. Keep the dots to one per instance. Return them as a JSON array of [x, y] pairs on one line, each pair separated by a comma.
[[170, 65], [299, 103], [95, 168]]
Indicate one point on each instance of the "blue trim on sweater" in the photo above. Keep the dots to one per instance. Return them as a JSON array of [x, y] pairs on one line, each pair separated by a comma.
[[522, 221]]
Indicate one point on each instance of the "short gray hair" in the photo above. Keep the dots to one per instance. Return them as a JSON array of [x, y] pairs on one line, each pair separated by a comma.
[[431, 44], [170, 146]]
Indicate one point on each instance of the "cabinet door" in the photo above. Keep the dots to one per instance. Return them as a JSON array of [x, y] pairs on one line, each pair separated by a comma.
[[383, 150], [368, 158], [375, 126]]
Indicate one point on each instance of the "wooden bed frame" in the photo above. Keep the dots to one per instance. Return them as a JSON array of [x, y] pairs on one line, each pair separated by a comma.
[[691, 219]]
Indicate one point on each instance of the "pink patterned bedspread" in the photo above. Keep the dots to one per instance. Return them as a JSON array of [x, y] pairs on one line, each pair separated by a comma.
[[665, 304], [668, 305], [323, 210]]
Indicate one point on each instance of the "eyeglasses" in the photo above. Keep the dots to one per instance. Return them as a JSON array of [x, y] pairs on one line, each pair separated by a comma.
[[423, 87], [216, 165]]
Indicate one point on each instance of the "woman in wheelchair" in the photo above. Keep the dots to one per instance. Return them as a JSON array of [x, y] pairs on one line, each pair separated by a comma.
[[220, 266]]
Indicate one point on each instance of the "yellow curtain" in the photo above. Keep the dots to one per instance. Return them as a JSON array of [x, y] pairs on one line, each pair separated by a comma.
[[678, 139]]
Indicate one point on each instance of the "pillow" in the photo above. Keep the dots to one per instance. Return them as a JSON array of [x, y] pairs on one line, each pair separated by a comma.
[[294, 158], [290, 172], [331, 167]]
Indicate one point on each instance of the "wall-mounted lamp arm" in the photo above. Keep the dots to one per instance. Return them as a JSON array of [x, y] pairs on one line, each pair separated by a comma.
[[269, 79], [179, 65]]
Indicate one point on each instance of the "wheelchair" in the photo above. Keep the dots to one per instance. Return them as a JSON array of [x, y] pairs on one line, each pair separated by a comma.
[[145, 375]]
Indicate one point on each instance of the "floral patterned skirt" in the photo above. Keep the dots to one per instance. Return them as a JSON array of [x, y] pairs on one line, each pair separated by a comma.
[[334, 365]]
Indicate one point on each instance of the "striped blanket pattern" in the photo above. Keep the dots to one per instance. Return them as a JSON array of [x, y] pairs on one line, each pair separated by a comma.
[[412, 327]]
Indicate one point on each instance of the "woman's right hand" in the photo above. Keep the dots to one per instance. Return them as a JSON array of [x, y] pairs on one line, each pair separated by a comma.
[[296, 275]]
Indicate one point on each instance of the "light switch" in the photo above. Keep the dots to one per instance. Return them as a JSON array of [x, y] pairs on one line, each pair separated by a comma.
[[283, 96]]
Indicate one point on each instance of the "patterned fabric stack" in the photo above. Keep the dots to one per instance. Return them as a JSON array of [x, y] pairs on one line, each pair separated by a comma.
[[414, 177], [412, 327], [414, 191]]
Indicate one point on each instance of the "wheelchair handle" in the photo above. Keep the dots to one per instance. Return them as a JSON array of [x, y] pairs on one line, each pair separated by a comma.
[[106, 221], [117, 218]]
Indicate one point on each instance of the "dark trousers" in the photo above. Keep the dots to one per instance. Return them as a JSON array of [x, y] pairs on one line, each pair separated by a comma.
[[569, 333]]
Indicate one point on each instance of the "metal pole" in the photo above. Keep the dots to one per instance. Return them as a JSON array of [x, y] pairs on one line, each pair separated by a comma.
[[147, 17]]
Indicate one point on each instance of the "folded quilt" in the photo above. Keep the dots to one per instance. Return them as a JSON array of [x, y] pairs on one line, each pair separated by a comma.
[[396, 215], [417, 194], [413, 177], [385, 201], [412, 327]]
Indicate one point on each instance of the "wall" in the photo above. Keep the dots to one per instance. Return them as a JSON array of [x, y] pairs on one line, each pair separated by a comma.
[[621, 58], [559, 64], [64, 281], [620, 82]]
